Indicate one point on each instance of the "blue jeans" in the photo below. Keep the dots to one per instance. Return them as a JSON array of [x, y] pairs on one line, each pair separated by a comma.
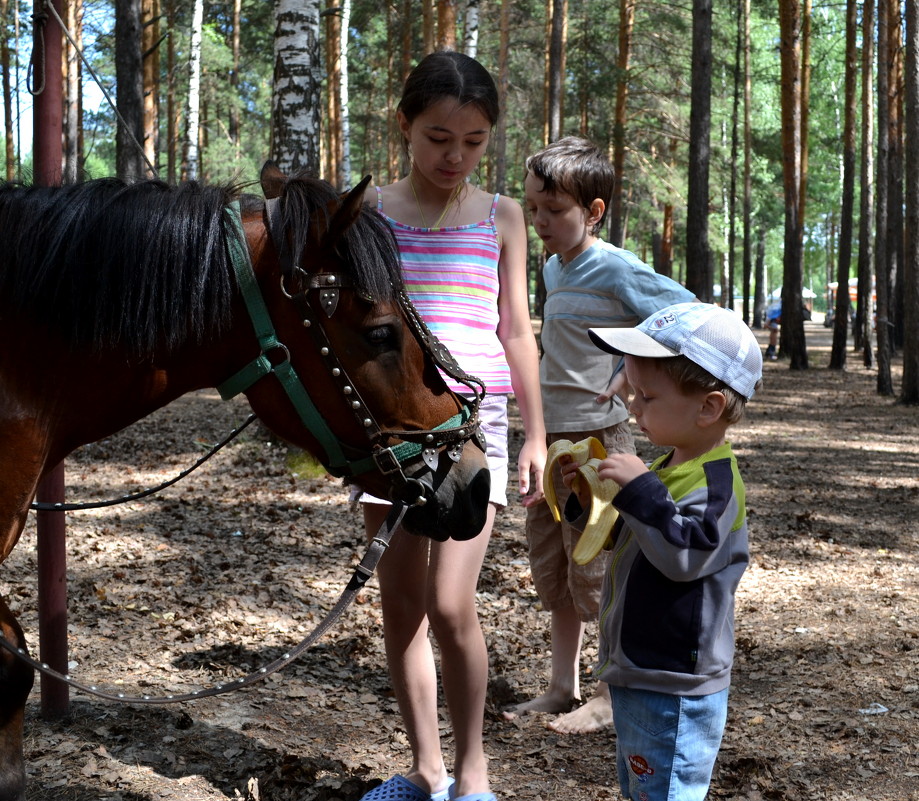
[[666, 744]]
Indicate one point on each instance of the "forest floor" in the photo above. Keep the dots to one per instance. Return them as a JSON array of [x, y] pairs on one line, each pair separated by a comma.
[[221, 573]]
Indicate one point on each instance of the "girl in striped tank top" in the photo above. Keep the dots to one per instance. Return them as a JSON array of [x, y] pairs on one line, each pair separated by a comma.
[[464, 257]]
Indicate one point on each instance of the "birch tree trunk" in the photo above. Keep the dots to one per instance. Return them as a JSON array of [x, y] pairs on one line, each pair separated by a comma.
[[296, 106], [344, 174], [471, 28], [193, 107], [73, 95]]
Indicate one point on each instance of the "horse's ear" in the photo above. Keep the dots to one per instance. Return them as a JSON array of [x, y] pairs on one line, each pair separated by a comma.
[[348, 212], [272, 180]]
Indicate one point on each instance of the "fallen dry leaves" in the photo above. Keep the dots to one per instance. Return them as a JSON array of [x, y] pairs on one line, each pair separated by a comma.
[[223, 572]]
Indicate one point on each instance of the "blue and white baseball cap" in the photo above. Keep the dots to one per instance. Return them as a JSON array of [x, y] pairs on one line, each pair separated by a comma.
[[716, 339]]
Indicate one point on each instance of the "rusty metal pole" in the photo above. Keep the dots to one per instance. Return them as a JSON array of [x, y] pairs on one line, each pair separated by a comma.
[[47, 155]]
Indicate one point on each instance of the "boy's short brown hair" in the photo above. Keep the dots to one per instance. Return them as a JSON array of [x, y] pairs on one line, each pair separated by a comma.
[[575, 167], [690, 377]]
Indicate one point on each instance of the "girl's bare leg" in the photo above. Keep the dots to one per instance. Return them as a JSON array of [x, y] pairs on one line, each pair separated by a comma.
[[429, 584], [403, 580], [455, 623]]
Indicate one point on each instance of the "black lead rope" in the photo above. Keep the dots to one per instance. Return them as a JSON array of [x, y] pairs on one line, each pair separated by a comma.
[[362, 574], [76, 507]]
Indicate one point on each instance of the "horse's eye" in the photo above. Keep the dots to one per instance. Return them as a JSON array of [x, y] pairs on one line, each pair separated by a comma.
[[381, 336]]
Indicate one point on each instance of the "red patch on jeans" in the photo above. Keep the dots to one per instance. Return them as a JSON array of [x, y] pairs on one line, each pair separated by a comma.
[[640, 766]]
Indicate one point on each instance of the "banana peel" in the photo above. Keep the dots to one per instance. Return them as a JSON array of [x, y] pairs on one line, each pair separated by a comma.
[[588, 453]]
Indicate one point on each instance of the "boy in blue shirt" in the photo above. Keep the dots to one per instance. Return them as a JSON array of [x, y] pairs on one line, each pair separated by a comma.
[[589, 282], [678, 549]]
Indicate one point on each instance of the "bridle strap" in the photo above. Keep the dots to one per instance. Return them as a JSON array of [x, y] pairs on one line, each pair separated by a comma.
[[262, 366], [362, 574], [383, 456]]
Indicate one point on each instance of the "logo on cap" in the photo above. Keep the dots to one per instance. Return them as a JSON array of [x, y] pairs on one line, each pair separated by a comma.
[[664, 320]]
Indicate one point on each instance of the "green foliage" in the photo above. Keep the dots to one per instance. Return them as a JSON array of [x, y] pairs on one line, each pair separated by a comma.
[[302, 465], [658, 107]]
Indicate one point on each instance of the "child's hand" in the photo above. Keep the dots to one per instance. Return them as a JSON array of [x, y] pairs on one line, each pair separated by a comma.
[[569, 468], [530, 466], [621, 468], [618, 386]]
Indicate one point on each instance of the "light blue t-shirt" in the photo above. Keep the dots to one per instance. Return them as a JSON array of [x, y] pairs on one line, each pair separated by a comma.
[[604, 287]]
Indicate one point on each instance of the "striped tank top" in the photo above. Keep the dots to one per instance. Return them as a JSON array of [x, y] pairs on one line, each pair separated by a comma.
[[451, 275]]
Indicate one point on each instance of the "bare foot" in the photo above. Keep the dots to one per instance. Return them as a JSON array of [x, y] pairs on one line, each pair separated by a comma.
[[595, 715], [553, 704]]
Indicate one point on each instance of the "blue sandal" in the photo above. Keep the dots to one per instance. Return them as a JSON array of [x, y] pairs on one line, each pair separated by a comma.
[[473, 797], [398, 788]]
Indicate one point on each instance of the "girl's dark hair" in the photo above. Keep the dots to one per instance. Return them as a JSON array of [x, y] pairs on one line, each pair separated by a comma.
[[447, 73]]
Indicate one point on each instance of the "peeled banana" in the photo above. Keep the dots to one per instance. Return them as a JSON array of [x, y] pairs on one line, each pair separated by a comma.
[[588, 453]]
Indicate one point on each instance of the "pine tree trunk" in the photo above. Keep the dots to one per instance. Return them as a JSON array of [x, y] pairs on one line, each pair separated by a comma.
[[150, 16], [884, 381], [864, 307], [626, 26], [500, 182], [727, 300], [753, 316], [7, 92], [129, 158], [234, 77], [895, 177], [910, 390], [332, 155], [698, 256], [172, 111], [843, 306], [446, 25], [555, 70]]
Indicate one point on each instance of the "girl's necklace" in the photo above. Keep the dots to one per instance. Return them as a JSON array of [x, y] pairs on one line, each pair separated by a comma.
[[453, 198]]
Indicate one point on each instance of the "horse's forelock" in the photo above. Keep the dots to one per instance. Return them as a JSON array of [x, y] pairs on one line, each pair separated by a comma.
[[367, 246]]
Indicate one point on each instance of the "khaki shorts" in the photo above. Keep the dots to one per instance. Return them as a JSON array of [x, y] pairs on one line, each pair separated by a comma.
[[559, 581]]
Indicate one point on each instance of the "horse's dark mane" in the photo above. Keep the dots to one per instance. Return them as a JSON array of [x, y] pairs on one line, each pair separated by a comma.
[[145, 265], [113, 264]]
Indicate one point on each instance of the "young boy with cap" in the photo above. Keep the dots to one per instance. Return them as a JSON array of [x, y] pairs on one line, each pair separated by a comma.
[[679, 546]]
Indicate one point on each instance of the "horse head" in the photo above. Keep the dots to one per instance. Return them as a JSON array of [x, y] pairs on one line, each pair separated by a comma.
[[374, 407]]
